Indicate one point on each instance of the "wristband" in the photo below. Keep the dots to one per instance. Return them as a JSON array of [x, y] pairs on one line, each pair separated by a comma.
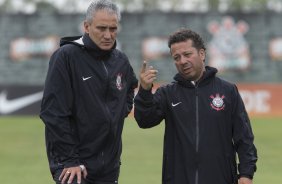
[[82, 167]]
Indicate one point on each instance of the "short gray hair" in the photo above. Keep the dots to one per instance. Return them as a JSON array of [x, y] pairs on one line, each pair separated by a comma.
[[97, 5]]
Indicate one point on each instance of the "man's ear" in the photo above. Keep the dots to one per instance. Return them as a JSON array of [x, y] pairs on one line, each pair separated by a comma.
[[202, 54], [86, 26]]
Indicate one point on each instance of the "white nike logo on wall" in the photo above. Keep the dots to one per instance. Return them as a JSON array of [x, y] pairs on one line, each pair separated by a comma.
[[8, 106], [173, 105], [86, 78]]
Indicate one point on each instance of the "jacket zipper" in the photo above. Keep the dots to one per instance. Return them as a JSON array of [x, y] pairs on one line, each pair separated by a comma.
[[106, 94], [106, 107], [103, 160], [197, 134], [106, 70]]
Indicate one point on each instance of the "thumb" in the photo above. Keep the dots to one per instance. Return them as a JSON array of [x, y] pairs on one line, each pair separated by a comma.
[[84, 173]]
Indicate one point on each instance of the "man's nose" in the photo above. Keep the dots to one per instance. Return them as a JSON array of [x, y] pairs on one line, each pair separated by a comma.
[[183, 60], [107, 33]]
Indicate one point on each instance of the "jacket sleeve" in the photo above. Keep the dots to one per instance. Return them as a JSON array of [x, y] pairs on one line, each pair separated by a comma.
[[130, 93], [56, 112], [148, 108], [243, 138]]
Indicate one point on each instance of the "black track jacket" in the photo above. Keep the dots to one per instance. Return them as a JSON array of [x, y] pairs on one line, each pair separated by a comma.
[[88, 93], [205, 125]]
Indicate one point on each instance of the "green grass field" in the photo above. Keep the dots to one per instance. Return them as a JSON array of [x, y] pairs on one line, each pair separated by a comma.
[[23, 158]]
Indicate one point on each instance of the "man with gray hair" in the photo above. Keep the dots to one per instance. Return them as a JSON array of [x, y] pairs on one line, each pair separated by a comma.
[[88, 93]]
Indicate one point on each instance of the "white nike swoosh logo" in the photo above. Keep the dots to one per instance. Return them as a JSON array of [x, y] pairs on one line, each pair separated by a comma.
[[9, 106], [86, 78], [173, 105]]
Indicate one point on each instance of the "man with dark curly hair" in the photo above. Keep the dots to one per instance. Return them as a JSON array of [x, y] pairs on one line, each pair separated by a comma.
[[206, 124]]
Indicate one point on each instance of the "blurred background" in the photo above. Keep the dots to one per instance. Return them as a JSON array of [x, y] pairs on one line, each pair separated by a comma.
[[243, 39]]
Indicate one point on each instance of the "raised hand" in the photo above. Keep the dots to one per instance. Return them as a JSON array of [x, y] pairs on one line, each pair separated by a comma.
[[147, 76]]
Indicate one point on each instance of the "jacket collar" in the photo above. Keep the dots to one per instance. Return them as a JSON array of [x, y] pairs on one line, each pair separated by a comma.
[[95, 50], [86, 43], [208, 75]]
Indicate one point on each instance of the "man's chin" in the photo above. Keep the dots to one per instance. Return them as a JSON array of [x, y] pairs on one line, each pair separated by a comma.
[[106, 47], [189, 77]]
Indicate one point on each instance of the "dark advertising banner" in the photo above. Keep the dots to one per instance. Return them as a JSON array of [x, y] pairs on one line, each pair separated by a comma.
[[260, 99], [20, 100]]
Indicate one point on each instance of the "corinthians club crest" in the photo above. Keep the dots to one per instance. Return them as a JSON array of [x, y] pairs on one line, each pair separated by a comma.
[[119, 81], [217, 102]]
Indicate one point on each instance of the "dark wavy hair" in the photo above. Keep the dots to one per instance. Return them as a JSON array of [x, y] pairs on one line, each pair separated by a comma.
[[184, 34]]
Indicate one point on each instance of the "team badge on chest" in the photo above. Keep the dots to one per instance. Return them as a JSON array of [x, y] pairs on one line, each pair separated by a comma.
[[119, 81], [217, 102]]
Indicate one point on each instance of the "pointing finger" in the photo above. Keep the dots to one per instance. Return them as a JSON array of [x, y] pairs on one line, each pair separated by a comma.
[[143, 69]]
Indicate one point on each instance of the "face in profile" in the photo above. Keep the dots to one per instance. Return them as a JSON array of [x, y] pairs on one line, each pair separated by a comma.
[[188, 60], [103, 29]]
